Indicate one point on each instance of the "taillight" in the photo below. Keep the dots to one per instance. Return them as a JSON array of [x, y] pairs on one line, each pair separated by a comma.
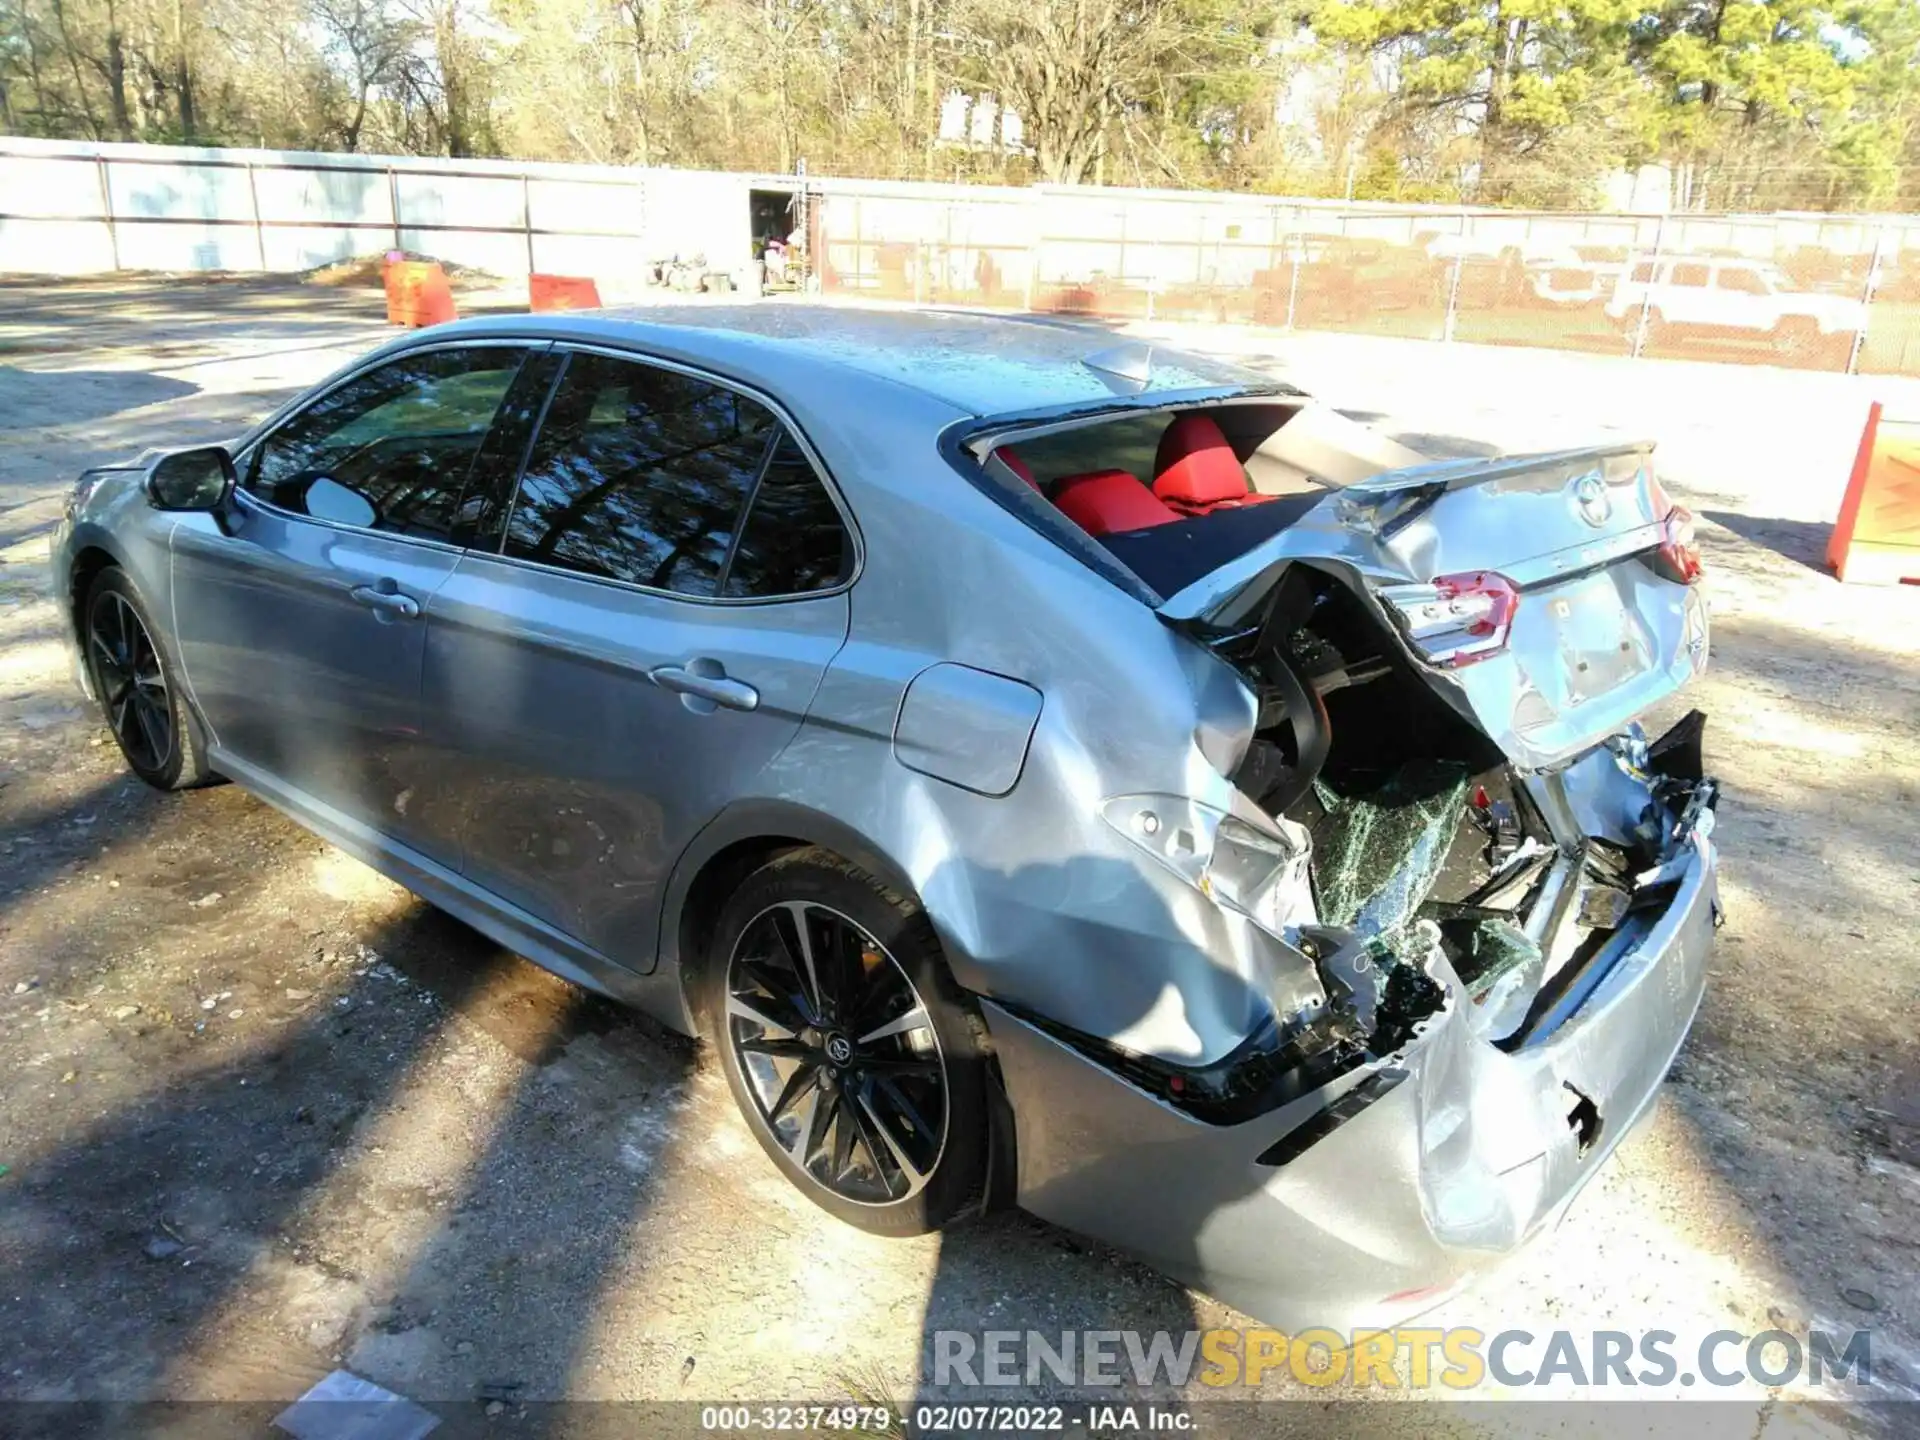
[[1458, 619], [1678, 557], [1679, 554]]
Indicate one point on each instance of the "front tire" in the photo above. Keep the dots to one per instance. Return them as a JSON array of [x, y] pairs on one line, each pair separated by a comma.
[[857, 1062], [139, 691]]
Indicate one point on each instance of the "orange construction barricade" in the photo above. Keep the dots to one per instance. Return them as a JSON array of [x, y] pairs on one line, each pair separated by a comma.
[[562, 292], [417, 293], [1876, 540]]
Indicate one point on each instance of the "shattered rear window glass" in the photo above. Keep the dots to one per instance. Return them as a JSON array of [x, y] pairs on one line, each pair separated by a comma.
[[1378, 857]]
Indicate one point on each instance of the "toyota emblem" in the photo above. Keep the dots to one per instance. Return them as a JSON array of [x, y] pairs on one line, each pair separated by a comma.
[[1591, 501]]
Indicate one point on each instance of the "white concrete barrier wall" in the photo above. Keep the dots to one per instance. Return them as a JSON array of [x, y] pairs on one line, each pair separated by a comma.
[[74, 208]]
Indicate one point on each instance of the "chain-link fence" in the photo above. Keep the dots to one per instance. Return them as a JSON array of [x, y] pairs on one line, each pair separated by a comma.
[[1818, 292], [1823, 292]]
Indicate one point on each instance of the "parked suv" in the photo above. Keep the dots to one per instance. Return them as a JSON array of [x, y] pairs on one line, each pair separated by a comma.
[[1733, 297]]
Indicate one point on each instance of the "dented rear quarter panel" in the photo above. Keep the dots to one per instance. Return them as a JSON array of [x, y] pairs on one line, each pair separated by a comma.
[[1038, 902]]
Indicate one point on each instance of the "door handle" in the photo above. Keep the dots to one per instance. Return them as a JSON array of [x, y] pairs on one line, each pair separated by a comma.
[[703, 684], [387, 602]]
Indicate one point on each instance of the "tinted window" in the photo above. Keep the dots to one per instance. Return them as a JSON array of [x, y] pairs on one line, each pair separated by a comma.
[[1690, 275], [793, 540], [1747, 282], [639, 474], [482, 512], [402, 437]]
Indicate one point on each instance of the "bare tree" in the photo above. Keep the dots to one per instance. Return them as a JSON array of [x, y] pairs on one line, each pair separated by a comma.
[[370, 45]]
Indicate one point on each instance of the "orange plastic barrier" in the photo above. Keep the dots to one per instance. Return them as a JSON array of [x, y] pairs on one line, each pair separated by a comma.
[[562, 292], [1876, 540], [417, 293]]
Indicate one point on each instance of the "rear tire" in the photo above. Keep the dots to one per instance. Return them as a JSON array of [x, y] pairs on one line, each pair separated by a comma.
[[857, 1062], [138, 687]]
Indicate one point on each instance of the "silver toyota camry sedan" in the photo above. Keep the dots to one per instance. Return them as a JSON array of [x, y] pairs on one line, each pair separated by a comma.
[[1050, 771]]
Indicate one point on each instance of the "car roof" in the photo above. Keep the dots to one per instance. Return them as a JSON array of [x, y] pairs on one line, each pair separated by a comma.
[[979, 364]]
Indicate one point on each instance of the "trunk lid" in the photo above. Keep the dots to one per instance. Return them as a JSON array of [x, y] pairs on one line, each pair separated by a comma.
[[1598, 633]]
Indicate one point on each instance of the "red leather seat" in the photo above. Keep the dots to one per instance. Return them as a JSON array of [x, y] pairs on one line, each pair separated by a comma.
[[1109, 502], [1195, 469]]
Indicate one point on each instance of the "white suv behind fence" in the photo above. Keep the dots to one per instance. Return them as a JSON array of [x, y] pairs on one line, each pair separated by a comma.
[[1733, 297]]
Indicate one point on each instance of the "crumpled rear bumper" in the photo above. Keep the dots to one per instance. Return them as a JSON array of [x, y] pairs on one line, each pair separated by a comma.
[[1450, 1157]]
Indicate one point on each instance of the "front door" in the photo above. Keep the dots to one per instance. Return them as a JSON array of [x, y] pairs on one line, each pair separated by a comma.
[[301, 613], [670, 590]]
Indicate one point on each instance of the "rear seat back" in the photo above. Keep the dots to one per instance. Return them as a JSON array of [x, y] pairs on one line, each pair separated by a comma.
[[1109, 502], [1195, 469]]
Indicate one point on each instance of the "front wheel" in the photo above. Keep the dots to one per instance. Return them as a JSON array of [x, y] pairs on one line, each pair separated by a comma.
[[139, 693], [859, 1064]]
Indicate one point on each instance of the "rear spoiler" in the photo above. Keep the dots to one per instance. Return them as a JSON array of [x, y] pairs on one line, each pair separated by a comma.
[[1352, 526]]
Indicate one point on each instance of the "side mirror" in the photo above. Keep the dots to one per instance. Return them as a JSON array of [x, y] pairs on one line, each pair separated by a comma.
[[192, 480], [328, 499]]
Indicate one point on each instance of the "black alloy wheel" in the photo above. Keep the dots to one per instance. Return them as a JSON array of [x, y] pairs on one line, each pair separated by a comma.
[[838, 1051], [135, 685], [131, 682], [859, 1064]]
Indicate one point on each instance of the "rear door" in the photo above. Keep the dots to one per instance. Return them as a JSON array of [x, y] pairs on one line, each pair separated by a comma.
[[1686, 298], [300, 616], [1742, 298], [670, 588]]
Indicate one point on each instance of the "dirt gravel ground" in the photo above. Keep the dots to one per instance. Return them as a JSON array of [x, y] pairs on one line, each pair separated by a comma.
[[264, 1115]]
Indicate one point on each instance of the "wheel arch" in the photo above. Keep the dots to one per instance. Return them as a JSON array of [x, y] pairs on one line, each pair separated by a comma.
[[734, 844], [88, 561]]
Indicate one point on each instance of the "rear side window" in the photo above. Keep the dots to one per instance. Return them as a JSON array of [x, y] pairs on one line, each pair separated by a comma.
[[403, 437], [662, 480], [639, 474], [793, 541]]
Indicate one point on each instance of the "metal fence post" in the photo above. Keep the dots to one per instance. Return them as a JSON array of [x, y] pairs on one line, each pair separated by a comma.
[[393, 203], [1036, 247], [1866, 299], [1453, 284], [1296, 243], [526, 215], [259, 232], [1646, 295], [106, 209]]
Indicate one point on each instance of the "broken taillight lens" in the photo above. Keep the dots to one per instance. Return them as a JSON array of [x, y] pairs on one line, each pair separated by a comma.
[[1678, 555], [1457, 619], [1679, 552]]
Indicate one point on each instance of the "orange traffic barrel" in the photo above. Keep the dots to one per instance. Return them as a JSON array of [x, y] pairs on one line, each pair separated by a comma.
[[1876, 540], [562, 292], [417, 293]]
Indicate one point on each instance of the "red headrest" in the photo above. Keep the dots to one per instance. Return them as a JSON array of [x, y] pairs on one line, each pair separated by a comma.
[[1195, 467], [1019, 467], [1109, 502]]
